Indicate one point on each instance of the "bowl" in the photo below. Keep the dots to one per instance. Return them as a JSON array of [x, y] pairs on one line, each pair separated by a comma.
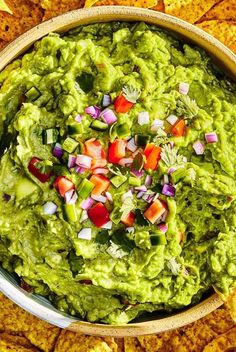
[[222, 56]]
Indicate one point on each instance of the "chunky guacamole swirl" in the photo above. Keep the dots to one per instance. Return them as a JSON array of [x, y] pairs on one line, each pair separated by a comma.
[[117, 174]]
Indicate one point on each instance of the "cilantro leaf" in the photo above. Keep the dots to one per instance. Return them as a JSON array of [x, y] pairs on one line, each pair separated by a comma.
[[186, 107], [170, 157]]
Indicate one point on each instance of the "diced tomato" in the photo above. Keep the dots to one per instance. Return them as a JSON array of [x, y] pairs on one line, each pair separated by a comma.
[[36, 172], [153, 156], [101, 184], [98, 163], [155, 211], [99, 214], [178, 130], [85, 282], [116, 151], [93, 148], [121, 104], [129, 219], [63, 185]]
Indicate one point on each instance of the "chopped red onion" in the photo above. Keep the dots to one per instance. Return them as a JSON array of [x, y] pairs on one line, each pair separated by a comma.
[[156, 124], [155, 197], [49, 208], [80, 170], [171, 170], [131, 145], [101, 170], [108, 116], [109, 196], [130, 229], [57, 151], [100, 198], [94, 111], [141, 188], [148, 180], [87, 203], [71, 161], [68, 195], [137, 173], [6, 197], [143, 118], [84, 161], [172, 144], [199, 147], [163, 227], [172, 119], [85, 234], [107, 226], [183, 88], [168, 190], [211, 137], [148, 197], [78, 118], [106, 100], [126, 195], [164, 216], [84, 216], [140, 194], [73, 199], [126, 161]]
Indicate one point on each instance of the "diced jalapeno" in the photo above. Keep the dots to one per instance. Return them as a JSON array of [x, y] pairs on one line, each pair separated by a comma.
[[69, 145], [85, 188], [117, 181]]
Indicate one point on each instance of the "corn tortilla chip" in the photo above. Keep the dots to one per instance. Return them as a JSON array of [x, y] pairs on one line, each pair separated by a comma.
[[56, 7], [225, 10], [135, 3], [69, 341], [225, 31], [18, 340], [4, 7], [120, 344], [16, 320], [225, 342], [188, 10], [159, 6], [2, 44], [219, 321], [131, 344], [11, 343], [25, 15]]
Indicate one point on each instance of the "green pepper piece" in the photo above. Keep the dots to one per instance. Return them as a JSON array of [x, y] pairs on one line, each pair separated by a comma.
[[140, 220], [33, 93], [141, 140], [50, 136], [70, 212], [134, 181], [117, 181], [75, 129], [121, 239], [102, 237], [69, 145], [85, 81], [158, 239], [138, 162], [98, 125], [123, 130], [85, 188]]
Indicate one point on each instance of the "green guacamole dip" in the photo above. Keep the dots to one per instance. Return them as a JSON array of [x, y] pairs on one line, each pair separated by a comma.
[[158, 225]]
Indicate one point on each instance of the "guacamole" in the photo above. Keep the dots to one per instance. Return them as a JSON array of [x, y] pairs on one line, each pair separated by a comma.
[[117, 173]]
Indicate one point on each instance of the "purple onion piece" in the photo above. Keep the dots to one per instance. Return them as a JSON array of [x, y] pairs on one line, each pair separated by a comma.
[[78, 118], [57, 151], [163, 227], [106, 100], [148, 180], [141, 188], [211, 137], [140, 194], [198, 146], [80, 170], [168, 190], [6, 197], [108, 116], [137, 173], [94, 111], [71, 161], [171, 170], [87, 203]]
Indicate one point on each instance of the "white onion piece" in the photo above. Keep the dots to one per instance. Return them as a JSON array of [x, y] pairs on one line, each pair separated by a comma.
[[49, 208], [165, 179], [107, 226], [172, 119], [84, 216], [131, 145], [85, 234], [73, 199], [198, 146], [130, 229], [143, 118], [156, 124], [126, 161], [126, 195], [68, 195], [109, 196], [100, 198], [183, 88], [84, 161]]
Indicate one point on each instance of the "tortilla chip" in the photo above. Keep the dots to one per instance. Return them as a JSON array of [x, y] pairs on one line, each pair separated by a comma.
[[69, 341], [11, 343], [225, 342], [136, 3], [4, 7], [188, 10], [25, 15], [56, 7], [131, 344], [159, 6], [157, 342], [225, 10], [219, 321], [225, 31], [16, 320], [120, 344], [2, 44]]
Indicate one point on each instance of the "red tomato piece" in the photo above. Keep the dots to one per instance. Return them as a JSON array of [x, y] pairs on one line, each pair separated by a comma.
[[155, 211], [116, 151], [99, 215], [122, 105], [153, 156], [36, 172], [63, 185], [178, 130], [101, 184], [129, 219]]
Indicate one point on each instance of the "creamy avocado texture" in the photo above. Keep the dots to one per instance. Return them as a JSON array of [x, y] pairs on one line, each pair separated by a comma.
[[140, 260]]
